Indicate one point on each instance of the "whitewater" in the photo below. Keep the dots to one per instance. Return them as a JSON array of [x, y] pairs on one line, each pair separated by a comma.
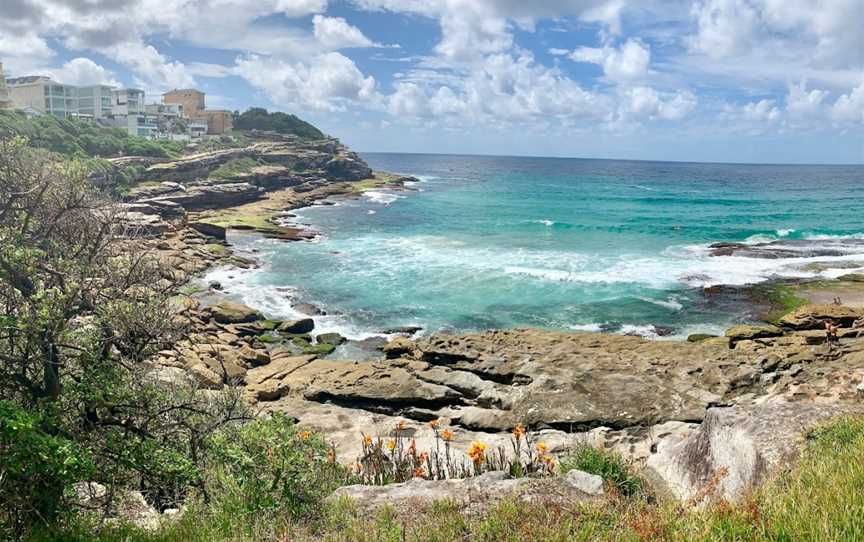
[[586, 245]]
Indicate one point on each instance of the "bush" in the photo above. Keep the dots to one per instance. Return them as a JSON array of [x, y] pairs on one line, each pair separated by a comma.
[[35, 469], [269, 466], [605, 464], [257, 118]]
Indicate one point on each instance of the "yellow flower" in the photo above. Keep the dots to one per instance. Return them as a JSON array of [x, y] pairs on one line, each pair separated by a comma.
[[477, 452], [541, 448], [391, 444], [304, 435], [519, 431], [434, 424], [400, 426], [447, 435]]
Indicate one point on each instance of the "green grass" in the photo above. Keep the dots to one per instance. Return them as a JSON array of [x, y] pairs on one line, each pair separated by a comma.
[[234, 168], [821, 500], [610, 466]]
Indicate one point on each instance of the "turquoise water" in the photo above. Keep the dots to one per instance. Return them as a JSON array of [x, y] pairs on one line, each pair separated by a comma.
[[493, 242]]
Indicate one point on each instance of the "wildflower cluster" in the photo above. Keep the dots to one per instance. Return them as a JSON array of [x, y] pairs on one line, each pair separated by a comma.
[[396, 459]]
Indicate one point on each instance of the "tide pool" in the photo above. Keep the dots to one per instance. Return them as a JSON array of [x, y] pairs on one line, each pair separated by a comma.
[[496, 242]]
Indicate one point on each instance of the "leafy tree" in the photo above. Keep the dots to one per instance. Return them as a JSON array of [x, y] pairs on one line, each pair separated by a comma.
[[81, 313]]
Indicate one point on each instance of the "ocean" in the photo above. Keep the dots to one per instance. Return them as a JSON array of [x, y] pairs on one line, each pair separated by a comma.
[[572, 244]]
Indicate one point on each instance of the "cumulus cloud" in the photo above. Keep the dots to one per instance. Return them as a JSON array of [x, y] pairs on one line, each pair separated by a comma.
[[83, 71], [326, 82], [850, 107], [629, 61], [336, 33]]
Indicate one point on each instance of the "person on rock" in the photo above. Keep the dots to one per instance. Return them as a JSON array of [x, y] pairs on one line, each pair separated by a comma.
[[830, 334]]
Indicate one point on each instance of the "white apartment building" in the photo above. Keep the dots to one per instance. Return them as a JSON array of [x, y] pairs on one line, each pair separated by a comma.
[[128, 101], [45, 95]]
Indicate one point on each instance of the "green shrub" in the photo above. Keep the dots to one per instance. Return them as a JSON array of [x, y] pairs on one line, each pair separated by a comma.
[[268, 465], [605, 464], [36, 469], [257, 118]]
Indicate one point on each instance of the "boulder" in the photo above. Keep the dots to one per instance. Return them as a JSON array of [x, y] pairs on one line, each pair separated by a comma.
[[735, 449], [232, 312], [128, 506], [304, 325], [815, 316], [852, 277]]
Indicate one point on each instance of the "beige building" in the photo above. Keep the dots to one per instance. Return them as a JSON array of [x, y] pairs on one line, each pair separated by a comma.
[[5, 101], [192, 101], [219, 121]]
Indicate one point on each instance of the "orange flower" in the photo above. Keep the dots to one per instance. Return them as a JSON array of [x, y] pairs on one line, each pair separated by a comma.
[[367, 440], [419, 472], [434, 424], [477, 452], [447, 435], [304, 435], [541, 448], [391, 444], [400, 426], [331, 455], [519, 431]]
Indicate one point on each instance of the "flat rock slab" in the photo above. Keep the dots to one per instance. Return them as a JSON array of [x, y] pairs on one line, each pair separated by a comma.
[[476, 493]]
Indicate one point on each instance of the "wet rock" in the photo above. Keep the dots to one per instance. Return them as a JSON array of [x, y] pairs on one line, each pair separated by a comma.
[[304, 325], [699, 337], [308, 309], [402, 330], [334, 339]]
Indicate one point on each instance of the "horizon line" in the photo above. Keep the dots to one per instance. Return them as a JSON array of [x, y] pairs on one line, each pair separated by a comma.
[[712, 162]]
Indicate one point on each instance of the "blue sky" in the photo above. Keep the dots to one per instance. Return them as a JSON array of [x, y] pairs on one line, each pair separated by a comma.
[[702, 80]]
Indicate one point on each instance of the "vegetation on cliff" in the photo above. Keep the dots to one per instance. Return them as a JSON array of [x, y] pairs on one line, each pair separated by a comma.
[[257, 118], [82, 139]]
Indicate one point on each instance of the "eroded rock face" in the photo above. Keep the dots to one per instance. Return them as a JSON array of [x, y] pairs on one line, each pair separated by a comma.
[[815, 316], [735, 449]]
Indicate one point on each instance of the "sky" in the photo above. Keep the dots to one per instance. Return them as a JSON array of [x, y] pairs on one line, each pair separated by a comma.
[[776, 81]]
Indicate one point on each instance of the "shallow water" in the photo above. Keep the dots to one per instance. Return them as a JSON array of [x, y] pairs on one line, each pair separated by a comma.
[[485, 242]]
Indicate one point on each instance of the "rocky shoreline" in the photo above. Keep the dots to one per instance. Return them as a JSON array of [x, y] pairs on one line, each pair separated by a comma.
[[651, 401]]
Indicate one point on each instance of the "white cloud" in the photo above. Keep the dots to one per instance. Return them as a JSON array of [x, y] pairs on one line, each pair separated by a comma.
[[327, 82], [850, 107], [629, 61], [336, 33], [83, 71], [763, 110], [151, 68], [802, 103], [646, 102]]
